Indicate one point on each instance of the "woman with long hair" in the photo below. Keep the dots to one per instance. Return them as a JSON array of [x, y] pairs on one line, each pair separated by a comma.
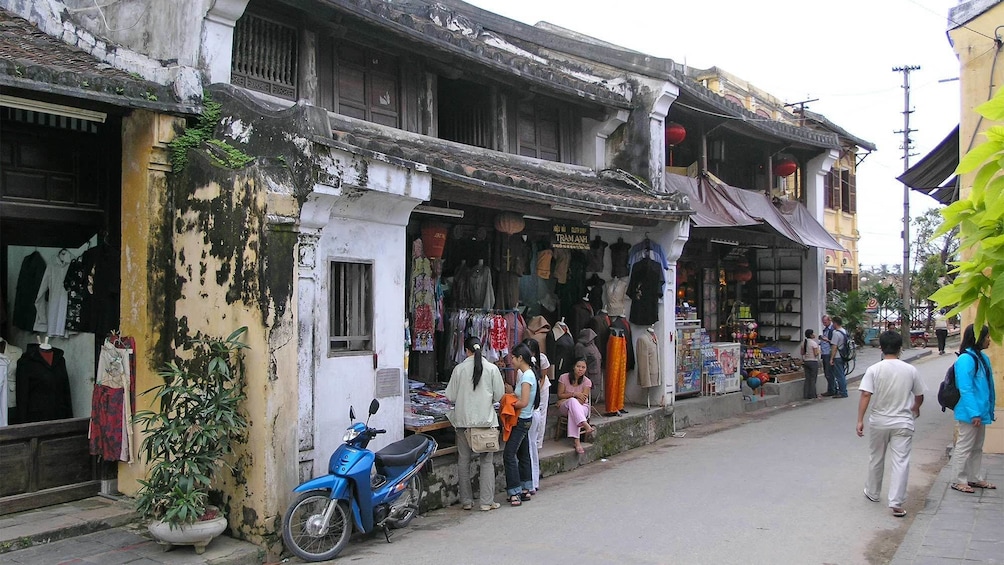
[[474, 387], [518, 470], [573, 401], [539, 418], [974, 412], [810, 364]]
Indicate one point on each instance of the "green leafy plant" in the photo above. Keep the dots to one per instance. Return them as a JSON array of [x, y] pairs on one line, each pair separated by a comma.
[[979, 278], [189, 438], [850, 306], [221, 152]]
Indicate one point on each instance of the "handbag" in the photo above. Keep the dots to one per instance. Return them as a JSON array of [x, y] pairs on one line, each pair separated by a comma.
[[483, 440]]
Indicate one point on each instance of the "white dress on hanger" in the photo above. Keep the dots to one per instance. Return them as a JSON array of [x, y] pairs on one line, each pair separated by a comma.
[[52, 299], [8, 380]]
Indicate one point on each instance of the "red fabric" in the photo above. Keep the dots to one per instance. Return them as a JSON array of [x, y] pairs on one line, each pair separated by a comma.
[[106, 422]]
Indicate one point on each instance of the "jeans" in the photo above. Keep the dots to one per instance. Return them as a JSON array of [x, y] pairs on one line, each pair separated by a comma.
[[486, 475], [516, 457], [811, 369], [839, 378], [831, 385]]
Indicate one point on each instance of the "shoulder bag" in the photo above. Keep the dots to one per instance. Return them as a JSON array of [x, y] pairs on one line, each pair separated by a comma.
[[483, 440]]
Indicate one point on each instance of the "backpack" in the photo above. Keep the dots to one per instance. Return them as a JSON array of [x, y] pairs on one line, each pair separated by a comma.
[[846, 349], [948, 392]]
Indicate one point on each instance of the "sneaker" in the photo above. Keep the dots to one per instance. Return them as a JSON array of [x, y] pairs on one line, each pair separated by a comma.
[[467, 506], [827, 393], [841, 396], [492, 506], [870, 497]]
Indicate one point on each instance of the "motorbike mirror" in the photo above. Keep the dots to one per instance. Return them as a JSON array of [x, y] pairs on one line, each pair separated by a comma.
[[352, 414], [374, 406]]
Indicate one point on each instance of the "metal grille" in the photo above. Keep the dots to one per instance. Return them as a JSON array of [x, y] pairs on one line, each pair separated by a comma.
[[351, 307], [264, 57]]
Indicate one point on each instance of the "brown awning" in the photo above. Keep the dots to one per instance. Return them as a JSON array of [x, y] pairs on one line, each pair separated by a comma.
[[934, 174], [711, 207]]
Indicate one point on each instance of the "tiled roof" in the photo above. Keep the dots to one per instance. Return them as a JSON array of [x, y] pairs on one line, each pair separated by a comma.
[[439, 27], [33, 60], [501, 174]]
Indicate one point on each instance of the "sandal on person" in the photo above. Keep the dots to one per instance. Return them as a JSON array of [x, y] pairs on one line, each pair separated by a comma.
[[983, 485], [525, 496], [963, 488], [580, 450], [898, 512], [514, 500]]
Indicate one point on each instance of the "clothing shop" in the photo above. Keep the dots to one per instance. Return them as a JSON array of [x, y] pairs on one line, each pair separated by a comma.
[[747, 286], [529, 268]]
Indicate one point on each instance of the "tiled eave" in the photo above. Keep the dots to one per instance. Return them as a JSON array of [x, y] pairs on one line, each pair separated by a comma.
[[409, 21], [500, 174]]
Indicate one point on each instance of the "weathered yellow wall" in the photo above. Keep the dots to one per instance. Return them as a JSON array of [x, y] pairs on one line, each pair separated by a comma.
[[978, 76], [144, 208]]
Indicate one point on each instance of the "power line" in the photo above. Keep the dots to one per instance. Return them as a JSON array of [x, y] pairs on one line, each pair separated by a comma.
[[906, 70]]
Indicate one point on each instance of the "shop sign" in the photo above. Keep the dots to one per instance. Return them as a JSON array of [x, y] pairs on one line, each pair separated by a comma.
[[570, 236], [872, 307]]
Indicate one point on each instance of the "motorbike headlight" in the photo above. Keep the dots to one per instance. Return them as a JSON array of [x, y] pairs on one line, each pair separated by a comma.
[[350, 434]]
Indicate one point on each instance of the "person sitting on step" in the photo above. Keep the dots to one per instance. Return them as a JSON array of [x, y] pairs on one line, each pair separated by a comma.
[[573, 401]]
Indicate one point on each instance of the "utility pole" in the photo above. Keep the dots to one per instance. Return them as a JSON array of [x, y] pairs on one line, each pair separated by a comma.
[[907, 299]]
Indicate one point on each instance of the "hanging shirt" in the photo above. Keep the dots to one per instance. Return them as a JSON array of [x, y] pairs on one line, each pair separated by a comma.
[[619, 259], [8, 379], [597, 249], [52, 300], [29, 278], [645, 290]]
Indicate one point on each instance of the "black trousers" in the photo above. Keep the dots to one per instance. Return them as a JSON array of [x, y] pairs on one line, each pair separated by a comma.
[[942, 335]]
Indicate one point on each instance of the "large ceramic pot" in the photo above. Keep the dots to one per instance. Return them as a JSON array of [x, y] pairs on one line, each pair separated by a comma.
[[198, 534]]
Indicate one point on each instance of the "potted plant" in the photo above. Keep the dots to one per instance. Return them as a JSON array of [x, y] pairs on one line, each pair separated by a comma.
[[189, 438]]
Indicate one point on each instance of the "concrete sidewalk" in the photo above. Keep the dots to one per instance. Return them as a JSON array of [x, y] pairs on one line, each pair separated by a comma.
[[956, 527]]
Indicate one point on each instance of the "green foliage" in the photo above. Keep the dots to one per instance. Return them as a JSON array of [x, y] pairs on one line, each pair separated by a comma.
[[227, 155], [850, 306], [221, 152], [979, 279], [188, 439]]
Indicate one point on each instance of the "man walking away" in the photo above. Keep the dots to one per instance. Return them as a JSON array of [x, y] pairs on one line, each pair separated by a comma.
[[838, 365], [894, 391], [824, 348], [941, 331]]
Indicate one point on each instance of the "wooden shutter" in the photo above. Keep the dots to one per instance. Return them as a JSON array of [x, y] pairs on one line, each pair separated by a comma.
[[853, 192]]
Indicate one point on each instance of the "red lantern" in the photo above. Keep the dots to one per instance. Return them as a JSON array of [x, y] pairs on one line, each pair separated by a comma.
[[675, 134], [785, 168], [744, 276]]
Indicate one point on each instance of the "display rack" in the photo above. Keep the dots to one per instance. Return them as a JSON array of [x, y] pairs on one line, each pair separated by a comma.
[[779, 295], [692, 348]]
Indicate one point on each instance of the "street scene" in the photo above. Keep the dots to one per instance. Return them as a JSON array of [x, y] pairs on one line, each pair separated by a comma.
[[489, 280]]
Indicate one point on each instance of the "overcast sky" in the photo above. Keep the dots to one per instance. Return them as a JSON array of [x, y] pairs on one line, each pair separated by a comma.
[[842, 53]]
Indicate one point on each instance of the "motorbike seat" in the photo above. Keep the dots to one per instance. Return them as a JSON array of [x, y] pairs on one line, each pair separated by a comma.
[[404, 452]]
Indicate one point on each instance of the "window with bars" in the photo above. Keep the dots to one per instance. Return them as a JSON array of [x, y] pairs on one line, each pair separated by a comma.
[[350, 308], [264, 56]]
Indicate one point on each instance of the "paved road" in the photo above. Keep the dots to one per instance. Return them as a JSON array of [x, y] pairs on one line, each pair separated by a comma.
[[783, 487]]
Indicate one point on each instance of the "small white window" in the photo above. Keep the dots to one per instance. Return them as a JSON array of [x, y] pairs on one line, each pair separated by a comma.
[[351, 307]]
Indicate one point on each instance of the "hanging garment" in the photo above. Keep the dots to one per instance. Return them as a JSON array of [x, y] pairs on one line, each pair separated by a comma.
[[594, 292], [562, 260], [645, 290], [482, 292], [52, 299], [597, 249], [507, 297], [585, 347], [579, 317], [423, 300], [538, 328], [543, 266], [616, 373], [616, 291], [649, 366], [619, 258], [29, 279], [621, 323], [110, 406], [600, 324], [647, 249], [43, 387], [461, 292], [8, 379], [561, 348]]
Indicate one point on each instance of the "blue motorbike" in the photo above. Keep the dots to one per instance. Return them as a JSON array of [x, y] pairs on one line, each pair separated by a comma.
[[364, 489]]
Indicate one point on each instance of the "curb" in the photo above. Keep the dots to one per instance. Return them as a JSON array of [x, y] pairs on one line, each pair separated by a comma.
[[914, 539]]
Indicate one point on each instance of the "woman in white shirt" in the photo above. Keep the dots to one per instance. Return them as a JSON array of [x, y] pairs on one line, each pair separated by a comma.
[[810, 363]]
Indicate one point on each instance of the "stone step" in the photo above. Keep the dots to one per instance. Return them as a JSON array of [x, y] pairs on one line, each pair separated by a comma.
[[61, 521]]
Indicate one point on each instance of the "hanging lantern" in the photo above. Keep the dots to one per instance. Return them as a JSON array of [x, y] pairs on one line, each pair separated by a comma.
[[675, 134], [509, 223], [434, 239], [744, 276], [785, 167]]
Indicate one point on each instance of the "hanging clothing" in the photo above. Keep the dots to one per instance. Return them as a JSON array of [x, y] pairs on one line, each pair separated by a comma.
[[507, 297], [585, 347], [543, 266], [616, 373], [600, 324], [562, 260], [579, 317], [482, 292], [594, 292], [79, 285], [647, 249], [52, 299], [461, 293], [561, 348], [622, 324], [597, 249], [43, 386], [29, 279], [616, 291], [538, 328], [9, 354], [423, 300], [619, 258], [649, 366], [111, 410], [645, 290]]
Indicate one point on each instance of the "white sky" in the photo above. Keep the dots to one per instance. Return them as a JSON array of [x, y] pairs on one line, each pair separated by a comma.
[[842, 53]]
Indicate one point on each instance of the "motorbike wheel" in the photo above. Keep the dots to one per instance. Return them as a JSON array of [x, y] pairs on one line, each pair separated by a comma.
[[301, 527], [407, 503]]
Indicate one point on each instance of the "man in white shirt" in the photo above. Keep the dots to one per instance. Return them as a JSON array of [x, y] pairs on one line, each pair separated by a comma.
[[894, 391]]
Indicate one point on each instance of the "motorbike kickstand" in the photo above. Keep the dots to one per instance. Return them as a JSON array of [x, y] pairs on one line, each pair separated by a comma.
[[386, 533]]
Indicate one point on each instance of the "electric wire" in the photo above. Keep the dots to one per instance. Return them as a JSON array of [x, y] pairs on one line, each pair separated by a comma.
[[950, 20]]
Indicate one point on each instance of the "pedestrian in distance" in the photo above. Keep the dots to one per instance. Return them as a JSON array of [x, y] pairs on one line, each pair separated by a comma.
[[941, 331], [474, 388], [824, 348], [810, 363], [838, 365], [975, 410], [516, 456], [891, 395], [539, 418]]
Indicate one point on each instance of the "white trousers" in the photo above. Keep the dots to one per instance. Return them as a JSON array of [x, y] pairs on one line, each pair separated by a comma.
[[897, 442], [536, 439], [967, 456]]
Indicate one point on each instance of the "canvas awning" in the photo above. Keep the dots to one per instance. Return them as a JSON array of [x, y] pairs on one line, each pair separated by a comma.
[[934, 174], [718, 205]]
